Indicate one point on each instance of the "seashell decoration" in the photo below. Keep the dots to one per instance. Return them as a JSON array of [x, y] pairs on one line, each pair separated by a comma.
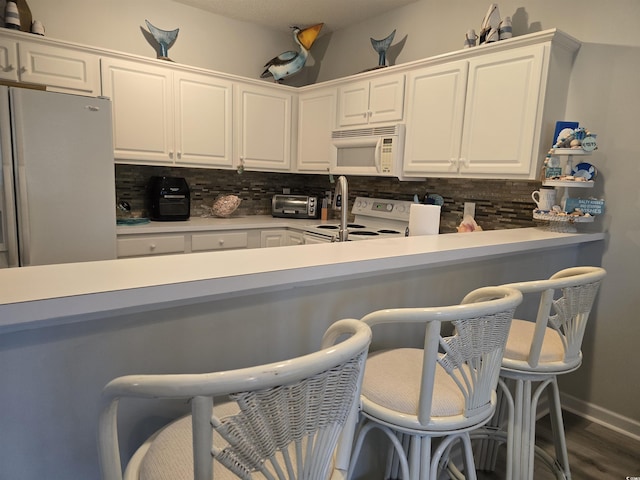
[[225, 205]]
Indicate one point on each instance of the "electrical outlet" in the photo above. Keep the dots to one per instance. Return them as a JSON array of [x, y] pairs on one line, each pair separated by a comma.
[[469, 209]]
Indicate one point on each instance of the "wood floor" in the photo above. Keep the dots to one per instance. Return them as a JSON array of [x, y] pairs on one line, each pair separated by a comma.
[[595, 452]]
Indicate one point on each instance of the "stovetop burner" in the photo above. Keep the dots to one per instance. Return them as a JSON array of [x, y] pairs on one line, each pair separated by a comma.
[[374, 218]]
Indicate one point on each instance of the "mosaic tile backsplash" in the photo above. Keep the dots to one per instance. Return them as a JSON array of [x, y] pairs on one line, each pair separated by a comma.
[[500, 204]]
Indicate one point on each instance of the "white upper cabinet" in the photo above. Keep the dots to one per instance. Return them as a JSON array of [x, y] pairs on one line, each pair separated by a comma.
[[484, 116], [263, 127], [316, 120], [166, 116], [501, 112], [61, 68], [435, 113], [9, 59], [203, 113], [371, 101]]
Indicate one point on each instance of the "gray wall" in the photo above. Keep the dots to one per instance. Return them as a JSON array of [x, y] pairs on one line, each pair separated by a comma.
[[603, 98]]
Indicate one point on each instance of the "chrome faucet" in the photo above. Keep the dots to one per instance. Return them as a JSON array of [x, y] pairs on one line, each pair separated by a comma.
[[342, 189]]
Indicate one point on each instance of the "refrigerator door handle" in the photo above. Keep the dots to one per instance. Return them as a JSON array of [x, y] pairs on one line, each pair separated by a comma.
[[7, 203]]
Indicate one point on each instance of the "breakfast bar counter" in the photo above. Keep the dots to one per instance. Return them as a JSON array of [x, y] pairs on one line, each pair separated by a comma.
[[67, 330], [56, 294]]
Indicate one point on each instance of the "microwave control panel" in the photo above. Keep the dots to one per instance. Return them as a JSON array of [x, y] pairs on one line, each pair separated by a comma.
[[386, 156]]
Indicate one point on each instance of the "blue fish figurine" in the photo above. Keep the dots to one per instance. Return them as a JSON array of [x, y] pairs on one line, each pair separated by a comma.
[[165, 39], [381, 46]]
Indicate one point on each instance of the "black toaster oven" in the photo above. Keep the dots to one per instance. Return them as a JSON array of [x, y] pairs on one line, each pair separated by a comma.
[[169, 199]]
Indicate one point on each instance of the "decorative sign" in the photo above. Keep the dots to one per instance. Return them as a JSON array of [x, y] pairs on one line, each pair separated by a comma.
[[589, 143], [552, 172], [586, 205]]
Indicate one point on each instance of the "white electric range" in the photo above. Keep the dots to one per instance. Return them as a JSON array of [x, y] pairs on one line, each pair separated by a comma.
[[375, 218]]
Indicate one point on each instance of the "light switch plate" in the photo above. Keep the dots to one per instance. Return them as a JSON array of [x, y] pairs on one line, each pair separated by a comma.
[[469, 209]]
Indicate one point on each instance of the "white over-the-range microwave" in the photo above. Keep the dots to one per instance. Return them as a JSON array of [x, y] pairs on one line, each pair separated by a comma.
[[375, 151]]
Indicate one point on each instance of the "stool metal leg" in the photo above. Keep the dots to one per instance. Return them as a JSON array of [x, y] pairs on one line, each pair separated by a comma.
[[557, 428]]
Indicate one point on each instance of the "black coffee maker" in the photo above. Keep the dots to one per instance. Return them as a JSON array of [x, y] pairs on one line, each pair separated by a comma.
[[169, 199]]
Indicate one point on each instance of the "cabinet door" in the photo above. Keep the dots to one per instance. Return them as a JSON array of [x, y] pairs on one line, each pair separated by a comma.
[[386, 99], [264, 128], [138, 246], [273, 238], [435, 110], [501, 112], [295, 238], [316, 120], [8, 59], [142, 110], [62, 68], [203, 132], [353, 104]]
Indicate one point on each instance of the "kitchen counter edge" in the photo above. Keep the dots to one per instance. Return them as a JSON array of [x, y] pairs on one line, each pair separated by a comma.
[[58, 294]]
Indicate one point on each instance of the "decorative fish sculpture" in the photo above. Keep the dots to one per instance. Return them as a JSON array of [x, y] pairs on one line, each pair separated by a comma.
[[381, 46], [290, 62], [165, 39]]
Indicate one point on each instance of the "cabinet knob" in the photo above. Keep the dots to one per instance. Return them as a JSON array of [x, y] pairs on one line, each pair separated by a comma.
[[152, 246], [8, 68], [221, 241], [23, 69], [171, 154], [179, 155]]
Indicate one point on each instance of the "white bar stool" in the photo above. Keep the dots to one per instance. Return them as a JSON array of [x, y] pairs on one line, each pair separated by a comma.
[[535, 354], [443, 390], [289, 419]]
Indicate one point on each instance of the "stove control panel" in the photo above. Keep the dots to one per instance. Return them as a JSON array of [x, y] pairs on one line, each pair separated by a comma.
[[382, 208]]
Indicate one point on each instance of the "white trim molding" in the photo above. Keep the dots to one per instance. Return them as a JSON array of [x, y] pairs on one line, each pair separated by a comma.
[[619, 423]]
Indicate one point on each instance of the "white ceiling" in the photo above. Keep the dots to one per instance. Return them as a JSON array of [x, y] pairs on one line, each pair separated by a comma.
[[280, 14]]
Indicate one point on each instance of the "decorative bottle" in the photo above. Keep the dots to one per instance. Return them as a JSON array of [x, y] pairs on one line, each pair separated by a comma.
[[11, 15]]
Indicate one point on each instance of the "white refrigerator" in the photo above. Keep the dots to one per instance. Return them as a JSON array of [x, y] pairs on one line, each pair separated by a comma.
[[57, 186]]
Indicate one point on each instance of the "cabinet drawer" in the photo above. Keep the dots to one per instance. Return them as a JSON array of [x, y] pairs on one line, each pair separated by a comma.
[[132, 247], [218, 241]]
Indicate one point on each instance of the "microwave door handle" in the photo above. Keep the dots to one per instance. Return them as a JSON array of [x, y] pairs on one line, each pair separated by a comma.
[[377, 154]]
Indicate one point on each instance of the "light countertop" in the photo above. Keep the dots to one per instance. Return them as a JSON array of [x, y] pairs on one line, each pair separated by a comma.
[[195, 224], [57, 294]]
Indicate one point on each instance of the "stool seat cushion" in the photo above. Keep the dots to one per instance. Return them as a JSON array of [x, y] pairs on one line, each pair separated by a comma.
[[170, 456], [392, 380], [520, 340]]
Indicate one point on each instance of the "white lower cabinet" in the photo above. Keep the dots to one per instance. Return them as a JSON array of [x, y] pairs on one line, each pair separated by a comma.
[[280, 238], [138, 246], [295, 237], [201, 242]]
